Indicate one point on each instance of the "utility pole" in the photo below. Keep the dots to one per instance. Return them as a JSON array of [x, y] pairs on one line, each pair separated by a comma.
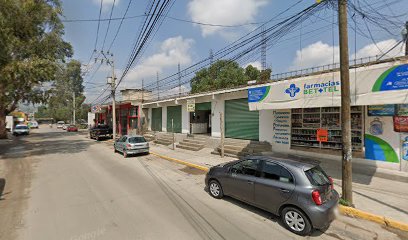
[[346, 183], [222, 133], [73, 106], [263, 49], [108, 57], [179, 80], [157, 80], [405, 34]]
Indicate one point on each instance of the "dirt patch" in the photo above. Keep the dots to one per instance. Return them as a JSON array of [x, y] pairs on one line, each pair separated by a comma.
[[193, 171], [16, 174]]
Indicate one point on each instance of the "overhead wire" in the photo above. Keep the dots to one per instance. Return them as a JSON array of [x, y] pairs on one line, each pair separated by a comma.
[[109, 22]]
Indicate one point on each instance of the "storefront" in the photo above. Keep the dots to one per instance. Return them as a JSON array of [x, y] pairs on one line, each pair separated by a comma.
[[200, 119], [294, 112], [127, 117]]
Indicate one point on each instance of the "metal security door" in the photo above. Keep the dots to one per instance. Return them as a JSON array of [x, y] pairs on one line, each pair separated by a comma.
[[241, 123]]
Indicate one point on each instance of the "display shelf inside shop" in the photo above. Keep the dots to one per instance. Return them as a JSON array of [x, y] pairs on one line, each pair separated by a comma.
[[306, 122]]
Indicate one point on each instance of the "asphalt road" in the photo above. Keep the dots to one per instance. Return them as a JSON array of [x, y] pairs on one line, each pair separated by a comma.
[[62, 185]]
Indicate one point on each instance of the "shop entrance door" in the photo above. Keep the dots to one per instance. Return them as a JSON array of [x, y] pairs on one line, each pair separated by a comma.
[[157, 119], [200, 120]]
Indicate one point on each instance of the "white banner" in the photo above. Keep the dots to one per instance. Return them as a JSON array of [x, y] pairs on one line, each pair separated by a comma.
[[374, 85]]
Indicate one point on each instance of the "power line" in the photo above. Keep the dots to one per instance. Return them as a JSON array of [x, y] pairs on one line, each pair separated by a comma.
[[151, 23], [99, 22], [120, 25], [109, 22], [169, 17]]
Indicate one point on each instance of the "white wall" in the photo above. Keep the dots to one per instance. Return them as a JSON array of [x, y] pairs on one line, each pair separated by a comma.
[[164, 118], [149, 116], [218, 106], [185, 118]]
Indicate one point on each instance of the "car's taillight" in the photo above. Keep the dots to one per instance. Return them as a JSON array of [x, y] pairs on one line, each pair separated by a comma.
[[331, 183], [128, 146], [316, 197]]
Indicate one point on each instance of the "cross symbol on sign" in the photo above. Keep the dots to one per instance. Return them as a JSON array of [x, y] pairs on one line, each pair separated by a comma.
[[292, 90]]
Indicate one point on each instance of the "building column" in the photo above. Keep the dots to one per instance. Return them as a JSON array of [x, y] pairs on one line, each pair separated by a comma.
[[164, 119], [185, 118], [217, 106]]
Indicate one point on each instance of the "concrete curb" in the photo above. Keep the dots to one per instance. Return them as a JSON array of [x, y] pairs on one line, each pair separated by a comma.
[[348, 211], [352, 212], [205, 169]]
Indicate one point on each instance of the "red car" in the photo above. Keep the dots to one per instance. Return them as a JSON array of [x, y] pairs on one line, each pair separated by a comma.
[[72, 128]]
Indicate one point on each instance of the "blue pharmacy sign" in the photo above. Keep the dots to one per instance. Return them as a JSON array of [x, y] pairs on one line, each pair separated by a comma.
[[258, 94]]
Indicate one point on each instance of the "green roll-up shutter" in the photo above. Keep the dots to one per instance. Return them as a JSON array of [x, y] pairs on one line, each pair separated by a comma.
[[156, 119], [174, 112], [239, 121], [205, 106]]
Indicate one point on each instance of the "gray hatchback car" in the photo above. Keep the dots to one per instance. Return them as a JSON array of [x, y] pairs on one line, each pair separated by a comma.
[[131, 144], [300, 192]]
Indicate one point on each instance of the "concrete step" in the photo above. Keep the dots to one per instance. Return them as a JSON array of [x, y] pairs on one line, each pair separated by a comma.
[[163, 141], [188, 147], [192, 140], [192, 144]]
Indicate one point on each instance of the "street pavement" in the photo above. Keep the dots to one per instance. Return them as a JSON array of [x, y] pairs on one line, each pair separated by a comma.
[[61, 185]]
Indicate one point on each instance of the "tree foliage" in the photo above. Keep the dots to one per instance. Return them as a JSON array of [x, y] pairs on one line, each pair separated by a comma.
[[60, 102], [31, 51], [226, 74]]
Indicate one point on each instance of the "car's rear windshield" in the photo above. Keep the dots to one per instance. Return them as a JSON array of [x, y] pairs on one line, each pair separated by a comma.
[[21, 127], [137, 140], [317, 176]]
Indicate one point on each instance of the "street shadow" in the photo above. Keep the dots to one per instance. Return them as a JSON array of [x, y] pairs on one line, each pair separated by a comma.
[[50, 143], [265, 214]]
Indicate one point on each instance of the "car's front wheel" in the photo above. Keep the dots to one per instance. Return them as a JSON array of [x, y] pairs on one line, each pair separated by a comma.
[[296, 221], [215, 189]]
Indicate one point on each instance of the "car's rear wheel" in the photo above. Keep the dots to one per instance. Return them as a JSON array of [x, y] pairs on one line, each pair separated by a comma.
[[296, 221], [215, 189]]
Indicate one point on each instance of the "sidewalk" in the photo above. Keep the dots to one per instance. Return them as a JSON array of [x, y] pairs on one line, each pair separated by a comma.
[[372, 193]]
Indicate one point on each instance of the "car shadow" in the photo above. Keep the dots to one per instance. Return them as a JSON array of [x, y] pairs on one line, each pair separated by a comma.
[[265, 214]]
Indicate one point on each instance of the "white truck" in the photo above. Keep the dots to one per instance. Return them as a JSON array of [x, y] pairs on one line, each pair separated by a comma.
[[9, 123]]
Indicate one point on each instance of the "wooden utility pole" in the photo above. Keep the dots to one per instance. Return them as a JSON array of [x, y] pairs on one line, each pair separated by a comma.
[[345, 104], [406, 38], [222, 133]]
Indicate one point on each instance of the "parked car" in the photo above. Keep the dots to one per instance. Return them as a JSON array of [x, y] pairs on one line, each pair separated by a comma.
[[33, 124], [72, 128], [60, 124], [100, 131], [131, 144], [300, 192], [21, 129]]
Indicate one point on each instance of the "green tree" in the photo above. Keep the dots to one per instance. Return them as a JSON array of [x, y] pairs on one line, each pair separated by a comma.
[[31, 50], [252, 72], [60, 103], [221, 74], [264, 76]]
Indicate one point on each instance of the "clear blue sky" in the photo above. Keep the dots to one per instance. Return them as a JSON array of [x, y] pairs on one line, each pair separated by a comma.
[[187, 43]]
